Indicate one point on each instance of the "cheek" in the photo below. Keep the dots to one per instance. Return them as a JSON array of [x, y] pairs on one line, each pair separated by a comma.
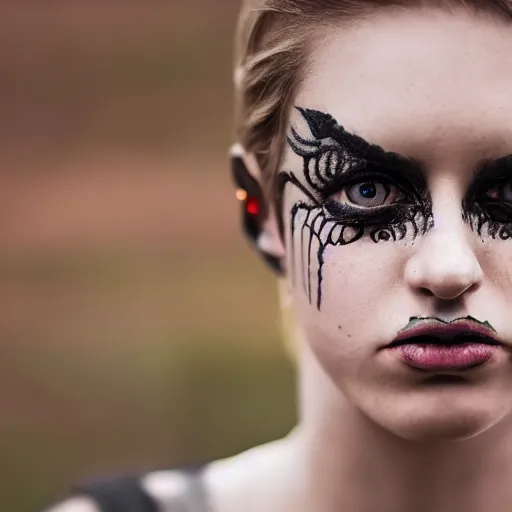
[[495, 258], [359, 284]]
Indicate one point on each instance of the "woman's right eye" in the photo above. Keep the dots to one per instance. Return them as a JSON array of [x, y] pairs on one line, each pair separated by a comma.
[[369, 194]]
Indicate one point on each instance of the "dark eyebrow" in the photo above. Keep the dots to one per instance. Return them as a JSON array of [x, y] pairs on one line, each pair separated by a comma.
[[324, 126]]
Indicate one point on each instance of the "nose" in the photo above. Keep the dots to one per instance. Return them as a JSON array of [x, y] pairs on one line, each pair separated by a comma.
[[445, 264]]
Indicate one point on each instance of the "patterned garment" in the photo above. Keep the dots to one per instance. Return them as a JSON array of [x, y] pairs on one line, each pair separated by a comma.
[[131, 493]]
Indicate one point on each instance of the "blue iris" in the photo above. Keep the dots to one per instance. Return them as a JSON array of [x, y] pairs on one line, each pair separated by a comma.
[[368, 190]]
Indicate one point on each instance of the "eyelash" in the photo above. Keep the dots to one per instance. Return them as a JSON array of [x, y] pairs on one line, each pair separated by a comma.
[[345, 180], [389, 189], [377, 215], [341, 184], [496, 209]]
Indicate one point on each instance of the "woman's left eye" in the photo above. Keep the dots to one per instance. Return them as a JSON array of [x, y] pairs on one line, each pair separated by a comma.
[[500, 192], [369, 194]]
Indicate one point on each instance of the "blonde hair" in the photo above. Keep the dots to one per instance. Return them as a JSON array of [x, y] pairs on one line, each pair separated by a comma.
[[273, 42]]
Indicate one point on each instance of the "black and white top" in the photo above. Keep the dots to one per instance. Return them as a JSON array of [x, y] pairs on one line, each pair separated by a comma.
[[181, 490]]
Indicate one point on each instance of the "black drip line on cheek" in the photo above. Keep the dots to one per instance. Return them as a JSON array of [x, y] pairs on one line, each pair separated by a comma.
[[320, 276], [315, 223], [310, 218], [328, 165]]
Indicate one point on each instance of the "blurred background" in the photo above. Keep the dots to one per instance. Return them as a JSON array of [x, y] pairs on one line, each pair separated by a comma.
[[137, 328]]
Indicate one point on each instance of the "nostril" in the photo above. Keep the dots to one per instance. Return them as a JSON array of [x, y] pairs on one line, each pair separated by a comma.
[[426, 292]]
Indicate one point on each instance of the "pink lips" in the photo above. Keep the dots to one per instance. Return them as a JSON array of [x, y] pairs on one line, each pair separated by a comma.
[[430, 344]]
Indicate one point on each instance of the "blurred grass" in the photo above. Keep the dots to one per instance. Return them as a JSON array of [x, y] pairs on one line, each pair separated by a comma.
[[101, 386], [138, 330]]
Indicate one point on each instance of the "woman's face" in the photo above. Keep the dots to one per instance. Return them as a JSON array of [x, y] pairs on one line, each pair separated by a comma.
[[397, 205]]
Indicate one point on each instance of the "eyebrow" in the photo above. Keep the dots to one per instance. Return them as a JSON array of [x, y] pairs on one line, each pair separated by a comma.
[[324, 126]]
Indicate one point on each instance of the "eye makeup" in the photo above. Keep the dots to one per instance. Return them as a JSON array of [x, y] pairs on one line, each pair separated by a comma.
[[487, 214], [334, 159]]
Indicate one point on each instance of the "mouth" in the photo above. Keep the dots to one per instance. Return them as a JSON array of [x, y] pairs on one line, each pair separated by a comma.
[[434, 331]]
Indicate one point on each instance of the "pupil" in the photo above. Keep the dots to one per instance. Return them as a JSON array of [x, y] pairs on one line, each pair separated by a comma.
[[368, 190]]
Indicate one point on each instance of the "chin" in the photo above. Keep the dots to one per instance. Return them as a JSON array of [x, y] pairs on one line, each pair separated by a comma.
[[437, 424], [439, 430]]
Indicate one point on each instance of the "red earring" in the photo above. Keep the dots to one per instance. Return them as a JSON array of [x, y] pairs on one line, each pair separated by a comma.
[[252, 206]]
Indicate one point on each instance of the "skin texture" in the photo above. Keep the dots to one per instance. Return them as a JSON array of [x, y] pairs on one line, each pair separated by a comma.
[[405, 97], [391, 204], [430, 86], [433, 87]]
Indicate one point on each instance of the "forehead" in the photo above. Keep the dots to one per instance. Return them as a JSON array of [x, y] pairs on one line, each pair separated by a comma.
[[425, 83]]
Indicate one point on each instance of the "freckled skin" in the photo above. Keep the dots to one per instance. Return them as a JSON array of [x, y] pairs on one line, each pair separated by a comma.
[[434, 88], [367, 271], [335, 156]]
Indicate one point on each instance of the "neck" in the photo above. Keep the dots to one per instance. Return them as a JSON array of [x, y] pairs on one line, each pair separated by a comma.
[[355, 463]]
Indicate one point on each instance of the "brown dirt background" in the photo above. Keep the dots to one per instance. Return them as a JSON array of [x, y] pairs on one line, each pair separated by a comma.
[[137, 329]]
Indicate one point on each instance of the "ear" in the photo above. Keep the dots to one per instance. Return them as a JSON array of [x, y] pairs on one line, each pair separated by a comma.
[[259, 219]]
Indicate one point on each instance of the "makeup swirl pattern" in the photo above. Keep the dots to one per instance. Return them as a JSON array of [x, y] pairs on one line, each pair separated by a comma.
[[487, 205], [332, 160], [483, 224], [314, 222]]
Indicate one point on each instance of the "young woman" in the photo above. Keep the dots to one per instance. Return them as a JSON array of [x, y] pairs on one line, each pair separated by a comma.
[[374, 167]]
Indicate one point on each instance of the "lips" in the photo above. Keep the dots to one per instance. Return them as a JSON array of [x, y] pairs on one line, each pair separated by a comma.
[[434, 331]]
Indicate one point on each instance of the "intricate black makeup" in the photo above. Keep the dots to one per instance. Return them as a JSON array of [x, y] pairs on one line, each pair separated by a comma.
[[334, 161], [487, 206]]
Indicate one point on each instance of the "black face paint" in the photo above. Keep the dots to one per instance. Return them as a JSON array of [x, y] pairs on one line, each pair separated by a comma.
[[333, 160], [253, 208], [487, 215], [415, 320]]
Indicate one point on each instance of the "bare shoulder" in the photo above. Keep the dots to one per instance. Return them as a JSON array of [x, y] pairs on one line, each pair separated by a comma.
[[78, 504], [258, 479]]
